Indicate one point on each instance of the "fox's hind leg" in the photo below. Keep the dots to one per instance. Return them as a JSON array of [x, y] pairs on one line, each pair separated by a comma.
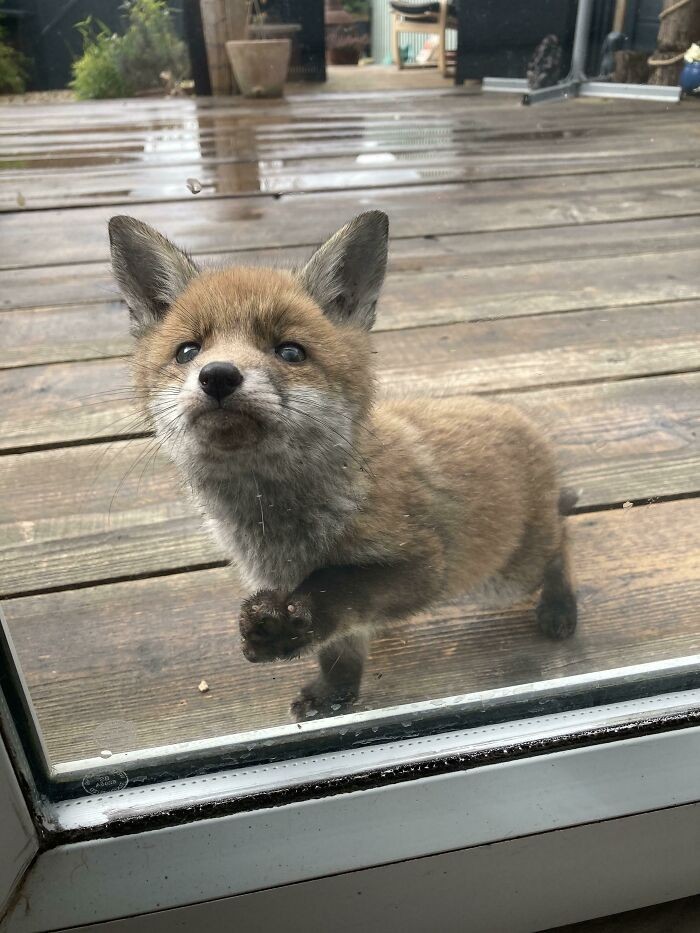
[[541, 563], [556, 611]]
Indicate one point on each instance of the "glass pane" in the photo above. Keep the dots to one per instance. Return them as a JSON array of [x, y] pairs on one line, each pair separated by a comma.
[[173, 480]]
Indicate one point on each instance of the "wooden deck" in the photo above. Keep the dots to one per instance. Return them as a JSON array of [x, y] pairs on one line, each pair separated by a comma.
[[549, 255]]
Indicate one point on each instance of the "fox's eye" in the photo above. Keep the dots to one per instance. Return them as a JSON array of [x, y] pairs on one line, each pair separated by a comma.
[[186, 352], [291, 352]]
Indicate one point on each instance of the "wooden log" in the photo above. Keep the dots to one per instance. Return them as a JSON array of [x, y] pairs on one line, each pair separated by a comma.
[[631, 67], [679, 26]]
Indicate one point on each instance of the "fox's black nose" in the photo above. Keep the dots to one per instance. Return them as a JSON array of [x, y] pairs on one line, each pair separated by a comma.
[[220, 379]]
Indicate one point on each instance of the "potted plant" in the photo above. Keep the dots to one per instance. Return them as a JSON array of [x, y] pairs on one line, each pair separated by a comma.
[[260, 61], [347, 30]]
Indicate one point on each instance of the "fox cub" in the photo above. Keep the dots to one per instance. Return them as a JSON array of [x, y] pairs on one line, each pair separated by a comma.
[[343, 513]]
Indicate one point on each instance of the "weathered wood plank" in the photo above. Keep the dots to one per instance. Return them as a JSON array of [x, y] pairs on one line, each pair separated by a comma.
[[140, 648], [454, 295], [289, 220], [418, 124], [53, 286], [191, 142], [70, 402], [290, 120], [248, 179], [79, 332], [457, 104], [276, 170], [82, 514], [450, 294], [162, 113]]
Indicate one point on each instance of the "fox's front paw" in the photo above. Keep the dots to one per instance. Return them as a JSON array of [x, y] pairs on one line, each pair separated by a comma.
[[320, 699], [275, 626]]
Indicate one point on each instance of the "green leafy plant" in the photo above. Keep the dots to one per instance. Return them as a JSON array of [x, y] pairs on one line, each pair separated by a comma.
[[13, 76], [357, 7], [121, 66], [151, 47], [98, 72]]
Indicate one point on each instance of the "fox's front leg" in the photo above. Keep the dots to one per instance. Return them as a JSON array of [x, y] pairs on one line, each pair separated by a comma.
[[337, 685], [277, 626], [334, 607]]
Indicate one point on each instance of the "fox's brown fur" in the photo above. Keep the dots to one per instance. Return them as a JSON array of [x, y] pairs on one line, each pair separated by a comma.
[[343, 513]]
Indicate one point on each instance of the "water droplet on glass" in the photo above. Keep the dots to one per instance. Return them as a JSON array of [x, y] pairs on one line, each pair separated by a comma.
[[105, 753], [194, 185]]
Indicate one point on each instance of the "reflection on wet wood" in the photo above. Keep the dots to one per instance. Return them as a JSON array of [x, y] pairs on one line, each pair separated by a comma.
[[287, 148], [381, 165], [546, 256]]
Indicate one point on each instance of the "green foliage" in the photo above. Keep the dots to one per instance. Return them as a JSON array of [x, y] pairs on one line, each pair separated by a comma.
[[98, 72], [151, 46], [12, 68], [357, 7], [121, 66]]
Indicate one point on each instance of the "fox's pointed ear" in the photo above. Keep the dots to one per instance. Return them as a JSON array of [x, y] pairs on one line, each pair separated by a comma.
[[151, 272], [345, 275]]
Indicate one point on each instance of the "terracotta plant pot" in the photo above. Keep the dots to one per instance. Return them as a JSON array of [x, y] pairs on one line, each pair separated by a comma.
[[260, 65], [347, 55]]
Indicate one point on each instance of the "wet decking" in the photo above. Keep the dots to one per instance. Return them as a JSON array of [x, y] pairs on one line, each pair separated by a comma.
[[548, 255]]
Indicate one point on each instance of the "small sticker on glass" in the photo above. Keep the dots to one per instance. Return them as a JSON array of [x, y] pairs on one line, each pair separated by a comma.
[[104, 782]]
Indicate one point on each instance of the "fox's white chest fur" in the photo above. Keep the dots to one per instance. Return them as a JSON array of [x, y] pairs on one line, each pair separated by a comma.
[[276, 532]]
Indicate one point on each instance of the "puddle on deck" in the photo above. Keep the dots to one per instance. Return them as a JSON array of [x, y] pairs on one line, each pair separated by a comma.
[[237, 153]]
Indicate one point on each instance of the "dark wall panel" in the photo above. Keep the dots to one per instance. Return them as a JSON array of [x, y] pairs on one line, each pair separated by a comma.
[[310, 64], [642, 23], [498, 37]]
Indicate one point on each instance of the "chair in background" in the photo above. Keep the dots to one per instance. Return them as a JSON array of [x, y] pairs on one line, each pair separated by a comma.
[[426, 18]]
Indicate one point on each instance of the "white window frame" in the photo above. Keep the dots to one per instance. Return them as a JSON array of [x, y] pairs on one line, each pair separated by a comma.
[[525, 842], [19, 843]]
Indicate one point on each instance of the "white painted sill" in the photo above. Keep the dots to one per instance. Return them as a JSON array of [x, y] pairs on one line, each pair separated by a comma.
[[216, 839]]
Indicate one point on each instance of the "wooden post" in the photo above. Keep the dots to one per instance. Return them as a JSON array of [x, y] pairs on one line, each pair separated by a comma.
[[194, 35], [620, 12], [237, 16], [679, 27], [631, 67], [222, 20]]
